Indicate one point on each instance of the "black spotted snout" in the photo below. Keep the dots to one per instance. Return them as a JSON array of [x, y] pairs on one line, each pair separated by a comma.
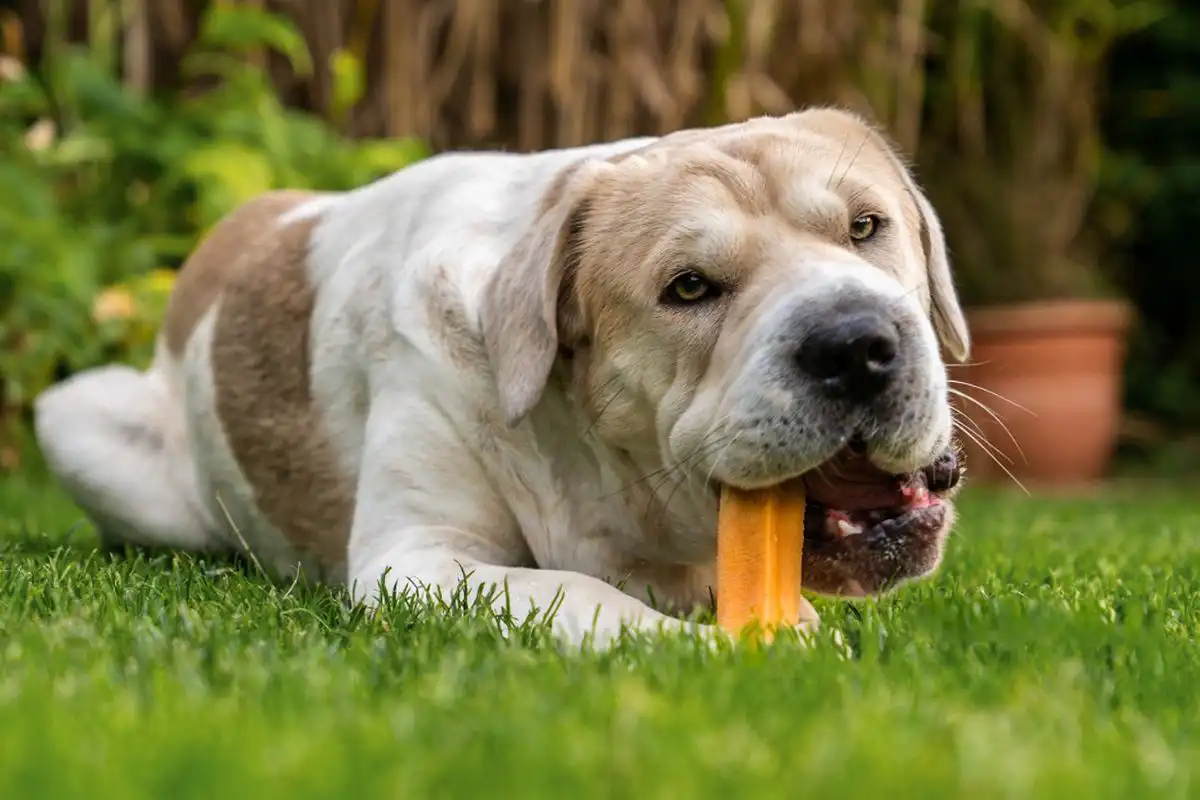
[[944, 473], [853, 354]]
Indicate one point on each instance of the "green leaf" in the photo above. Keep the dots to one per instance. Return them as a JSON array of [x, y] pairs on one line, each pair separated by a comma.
[[383, 156], [22, 97], [75, 149], [227, 174], [349, 82], [245, 29]]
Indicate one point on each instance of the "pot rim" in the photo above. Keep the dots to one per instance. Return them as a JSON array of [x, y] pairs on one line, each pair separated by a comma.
[[1051, 316]]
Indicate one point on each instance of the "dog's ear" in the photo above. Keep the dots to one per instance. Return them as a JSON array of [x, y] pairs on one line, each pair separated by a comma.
[[524, 305], [948, 319]]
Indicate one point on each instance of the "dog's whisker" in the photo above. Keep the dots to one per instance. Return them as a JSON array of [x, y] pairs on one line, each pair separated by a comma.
[[999, 463], [685, 474], [997, 395], [838, 162], [668, 470], [612, 399], [907, 293], [987, 410], [721, 443], [961, 419], [979, 437], [857, 153], [682, 468], [713, 468]]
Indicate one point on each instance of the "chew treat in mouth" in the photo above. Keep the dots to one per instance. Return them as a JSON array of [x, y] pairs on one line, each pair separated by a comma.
[[759, 538], [847, 527], [867, 530]]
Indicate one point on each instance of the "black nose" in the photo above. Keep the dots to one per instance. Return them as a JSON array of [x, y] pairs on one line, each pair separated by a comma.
[[944, 473], [854, 356]]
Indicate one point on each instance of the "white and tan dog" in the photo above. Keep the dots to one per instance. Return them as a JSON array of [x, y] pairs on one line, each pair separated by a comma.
[[536, 370]]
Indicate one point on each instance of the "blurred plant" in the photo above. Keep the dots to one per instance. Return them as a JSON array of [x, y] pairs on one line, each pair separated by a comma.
[[1149, 203], [1011, 144], [107, 188]]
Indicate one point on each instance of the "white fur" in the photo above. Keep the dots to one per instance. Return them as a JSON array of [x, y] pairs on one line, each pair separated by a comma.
[[390, 402], [443, 487]]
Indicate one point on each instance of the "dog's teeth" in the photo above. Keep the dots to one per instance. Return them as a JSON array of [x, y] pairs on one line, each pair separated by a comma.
[[848, 528], [921, 496]]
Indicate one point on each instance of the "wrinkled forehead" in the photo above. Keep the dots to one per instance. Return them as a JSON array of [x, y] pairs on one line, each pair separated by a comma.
[[851, 159], [713, 189], [779, 169]]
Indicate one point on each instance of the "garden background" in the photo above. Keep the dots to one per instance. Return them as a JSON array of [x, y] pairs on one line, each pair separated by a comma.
[[1056, 652], [1055, 136]]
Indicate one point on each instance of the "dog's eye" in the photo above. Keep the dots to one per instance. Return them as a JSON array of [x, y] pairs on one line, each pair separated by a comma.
[[864, 227], [688, 288]]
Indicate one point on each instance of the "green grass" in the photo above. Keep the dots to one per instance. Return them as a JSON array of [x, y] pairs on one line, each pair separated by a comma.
[[1056, 652]]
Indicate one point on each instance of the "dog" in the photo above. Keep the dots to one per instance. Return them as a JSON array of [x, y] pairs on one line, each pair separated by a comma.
[[535, 372]]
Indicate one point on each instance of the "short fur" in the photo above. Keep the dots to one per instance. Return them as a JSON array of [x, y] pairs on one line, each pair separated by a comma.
[[464, 370]]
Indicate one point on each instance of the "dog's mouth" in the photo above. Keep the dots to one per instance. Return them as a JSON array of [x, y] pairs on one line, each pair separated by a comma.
[[848, 496], [865, 530]]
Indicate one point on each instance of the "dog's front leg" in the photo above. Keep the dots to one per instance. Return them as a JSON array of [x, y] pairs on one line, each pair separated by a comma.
[[428, 517], [586, 609]]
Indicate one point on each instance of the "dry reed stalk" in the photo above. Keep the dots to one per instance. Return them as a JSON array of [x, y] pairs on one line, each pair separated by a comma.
[[685, 77], [568, 78], [481, 119], [910, 77], [399, 67], [171, 22], [137, 53], [12, 36], [532, 74], [323, 27]]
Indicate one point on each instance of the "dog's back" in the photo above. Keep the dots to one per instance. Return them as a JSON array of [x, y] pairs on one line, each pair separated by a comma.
[[226, 397], [244, 433]]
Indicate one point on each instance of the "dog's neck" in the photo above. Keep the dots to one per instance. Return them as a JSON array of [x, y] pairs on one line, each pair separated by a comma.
[[621, 491]]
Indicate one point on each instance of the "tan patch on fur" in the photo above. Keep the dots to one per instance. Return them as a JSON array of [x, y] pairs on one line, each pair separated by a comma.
[[218, 255], [753, 177], [448, 319], [261, 371]]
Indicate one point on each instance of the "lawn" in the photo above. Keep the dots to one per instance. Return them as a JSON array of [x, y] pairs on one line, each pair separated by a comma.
[[1056, 652]]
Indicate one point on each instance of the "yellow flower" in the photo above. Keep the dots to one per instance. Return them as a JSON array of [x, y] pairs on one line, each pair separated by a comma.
[[115, 302], [161, 281]]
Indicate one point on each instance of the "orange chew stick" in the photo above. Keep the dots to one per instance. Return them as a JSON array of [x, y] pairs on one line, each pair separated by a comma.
[[759, 539]]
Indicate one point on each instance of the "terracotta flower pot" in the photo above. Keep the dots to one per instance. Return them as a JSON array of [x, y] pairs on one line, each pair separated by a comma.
[[1052, 372]]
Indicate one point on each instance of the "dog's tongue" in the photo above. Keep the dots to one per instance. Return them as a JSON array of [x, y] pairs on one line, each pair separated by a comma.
[[850, 482]]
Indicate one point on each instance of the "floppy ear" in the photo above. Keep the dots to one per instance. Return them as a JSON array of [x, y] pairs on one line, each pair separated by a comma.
[[520, 312], [948, 319]]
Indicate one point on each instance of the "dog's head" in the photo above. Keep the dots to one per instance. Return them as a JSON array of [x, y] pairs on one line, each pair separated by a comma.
[[760, 303]]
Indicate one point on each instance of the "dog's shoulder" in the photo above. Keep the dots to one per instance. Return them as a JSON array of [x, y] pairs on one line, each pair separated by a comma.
[[310, 303], [431, 236]]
